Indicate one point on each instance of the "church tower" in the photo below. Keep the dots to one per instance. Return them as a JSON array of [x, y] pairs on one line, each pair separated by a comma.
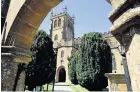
[[62, 27], [62, 34]]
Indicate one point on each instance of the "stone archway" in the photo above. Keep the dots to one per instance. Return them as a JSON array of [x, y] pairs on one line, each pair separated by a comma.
[[62, 75], [23, 19]]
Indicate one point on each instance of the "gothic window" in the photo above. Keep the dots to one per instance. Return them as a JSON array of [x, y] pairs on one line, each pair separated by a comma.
[[55, 23], [59, 22], [62, 62], [55, 37], [114, 64], [62, 53]]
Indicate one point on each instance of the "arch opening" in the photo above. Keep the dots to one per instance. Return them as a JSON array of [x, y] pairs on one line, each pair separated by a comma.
[[59, 22], [62, 75], [56, 38]]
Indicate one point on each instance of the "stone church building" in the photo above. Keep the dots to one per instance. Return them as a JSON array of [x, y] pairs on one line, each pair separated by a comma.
[[24, 18], [62, 34]]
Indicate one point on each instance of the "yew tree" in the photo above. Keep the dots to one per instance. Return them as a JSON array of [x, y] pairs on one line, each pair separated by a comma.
[[42, 68], [94, 61], [72, 67]]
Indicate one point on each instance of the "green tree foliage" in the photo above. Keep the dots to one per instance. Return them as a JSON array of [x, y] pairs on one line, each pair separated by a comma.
[[95, 60], [42, 68], [72, 67]]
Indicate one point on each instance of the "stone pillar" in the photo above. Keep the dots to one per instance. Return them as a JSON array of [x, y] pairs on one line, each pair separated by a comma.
[[11, 79], [133, 57], [116, 82], [21, 81], [126, 29], [8, 73]]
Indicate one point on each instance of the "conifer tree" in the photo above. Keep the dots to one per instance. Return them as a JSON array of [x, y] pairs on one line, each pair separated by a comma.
[[95, 60], [72, 67], [42, 68]]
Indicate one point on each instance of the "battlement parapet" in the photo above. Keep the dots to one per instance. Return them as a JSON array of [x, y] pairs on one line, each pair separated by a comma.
[[65, 43]]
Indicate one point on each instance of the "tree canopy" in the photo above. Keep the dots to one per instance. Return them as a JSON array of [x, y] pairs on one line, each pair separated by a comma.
[[72, 67], [93, 62], [42, 68]]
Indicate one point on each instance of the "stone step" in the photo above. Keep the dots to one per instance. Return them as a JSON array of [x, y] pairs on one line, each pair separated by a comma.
[[61, 84]]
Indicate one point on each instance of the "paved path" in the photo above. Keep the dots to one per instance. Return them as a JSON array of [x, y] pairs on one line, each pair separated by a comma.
[[62, 87]]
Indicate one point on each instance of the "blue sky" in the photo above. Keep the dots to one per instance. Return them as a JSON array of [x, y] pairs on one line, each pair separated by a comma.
[[90, 15]]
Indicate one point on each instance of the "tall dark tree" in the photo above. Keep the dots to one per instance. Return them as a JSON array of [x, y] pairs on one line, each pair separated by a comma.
[[72, 67], [95, 61], [42, 68]]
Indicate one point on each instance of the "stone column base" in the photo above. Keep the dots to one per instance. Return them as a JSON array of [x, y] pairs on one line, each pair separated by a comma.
[[116, 82]]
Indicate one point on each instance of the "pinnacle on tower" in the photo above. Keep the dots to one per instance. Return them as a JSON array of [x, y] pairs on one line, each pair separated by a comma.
[[73, 16], [65, 9], [51, 13]]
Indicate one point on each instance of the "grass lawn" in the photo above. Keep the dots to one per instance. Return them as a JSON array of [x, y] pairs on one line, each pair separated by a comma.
[[50, 86], [78, 88]]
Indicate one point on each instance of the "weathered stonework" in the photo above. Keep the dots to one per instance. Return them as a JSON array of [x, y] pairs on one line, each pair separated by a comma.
[[21, 81], [116, 82], [11, 69], [8, 71], [22, 21], [62, 34], [126, 29], [133, 57]]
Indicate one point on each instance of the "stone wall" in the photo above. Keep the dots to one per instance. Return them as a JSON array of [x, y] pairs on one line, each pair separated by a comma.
[[8, 73], [125, 17], [116, 82], [67, 53], [133, 59], [21, 81]]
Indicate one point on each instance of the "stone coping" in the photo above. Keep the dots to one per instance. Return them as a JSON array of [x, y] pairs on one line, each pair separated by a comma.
[[125, 18], [22, 59], [18, 54], [114, 75], [121, 6], [117, 78], [7, 47], [129, 14], [6, 54]]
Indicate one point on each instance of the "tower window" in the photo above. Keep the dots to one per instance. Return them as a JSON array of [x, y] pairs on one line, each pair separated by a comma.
[[55, 23], [59, 22], [62, 62], [62, 53], [55, 37]]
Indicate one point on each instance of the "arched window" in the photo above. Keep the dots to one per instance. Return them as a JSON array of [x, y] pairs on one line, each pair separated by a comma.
[[55, 23], [62, 62], [55, 37], [62, 53], [59, 22]]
